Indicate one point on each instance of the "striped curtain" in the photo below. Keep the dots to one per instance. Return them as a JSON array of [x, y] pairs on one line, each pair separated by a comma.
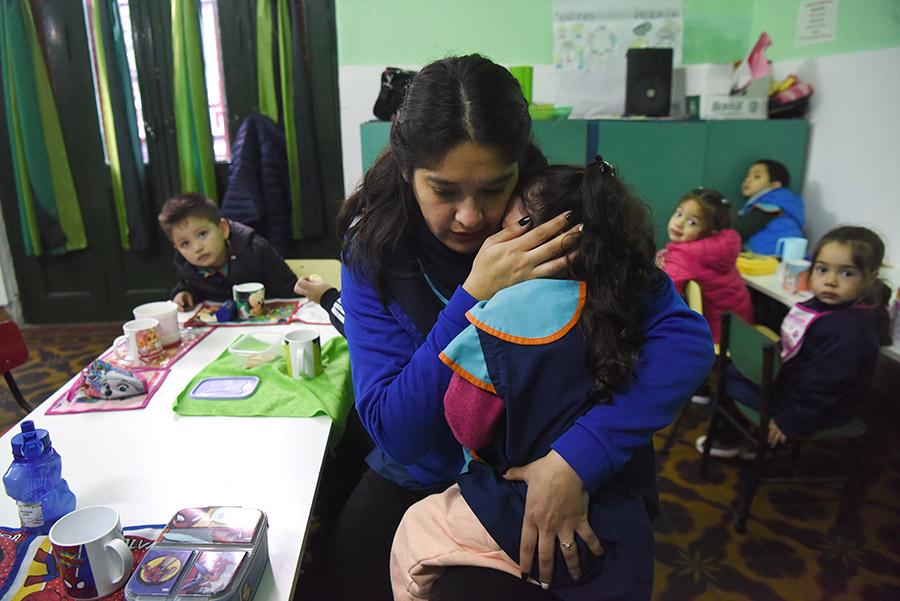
[[49, 212], [194, 139], [123, 146]]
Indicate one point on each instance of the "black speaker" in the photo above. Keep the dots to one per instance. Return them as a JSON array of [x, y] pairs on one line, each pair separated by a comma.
[[648, 87]]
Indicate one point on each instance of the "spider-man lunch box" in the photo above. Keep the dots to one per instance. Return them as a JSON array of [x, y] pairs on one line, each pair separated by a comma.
[[204, 553]]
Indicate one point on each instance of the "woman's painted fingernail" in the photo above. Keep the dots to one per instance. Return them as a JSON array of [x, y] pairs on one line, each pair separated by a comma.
[[545, 586], [569, 216], [524, 576], [524, 220], [580, 227]]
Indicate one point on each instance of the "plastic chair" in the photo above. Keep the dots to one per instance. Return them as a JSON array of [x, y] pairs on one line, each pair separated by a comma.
[[694, 297], [13, 353], [329, 269], [755, 354]]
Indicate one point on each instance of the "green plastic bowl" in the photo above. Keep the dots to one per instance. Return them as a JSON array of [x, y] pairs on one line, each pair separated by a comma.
[[544, 112]]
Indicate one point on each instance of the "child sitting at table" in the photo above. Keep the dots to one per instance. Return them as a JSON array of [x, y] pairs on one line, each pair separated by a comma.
[[214, 253], [829, 345], [703, 248], [537, 357], [772, 211]]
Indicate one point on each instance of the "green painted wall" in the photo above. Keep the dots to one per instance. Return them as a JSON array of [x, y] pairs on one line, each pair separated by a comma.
[[388, 32], [716, 31], [862, 25]]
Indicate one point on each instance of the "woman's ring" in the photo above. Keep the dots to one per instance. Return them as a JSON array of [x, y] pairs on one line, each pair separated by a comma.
[[566, 545]]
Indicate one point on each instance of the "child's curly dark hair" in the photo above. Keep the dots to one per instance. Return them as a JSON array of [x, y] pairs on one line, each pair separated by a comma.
[[615, 259]]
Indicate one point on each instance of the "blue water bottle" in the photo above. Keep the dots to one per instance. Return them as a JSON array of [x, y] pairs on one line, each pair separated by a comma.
[[35, 480]]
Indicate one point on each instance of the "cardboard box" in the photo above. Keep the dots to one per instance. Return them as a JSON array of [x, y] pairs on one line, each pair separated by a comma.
[[711, 98]]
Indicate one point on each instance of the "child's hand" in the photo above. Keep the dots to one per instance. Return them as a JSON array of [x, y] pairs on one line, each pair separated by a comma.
[[776, 436], [312, 288], [184, 300]]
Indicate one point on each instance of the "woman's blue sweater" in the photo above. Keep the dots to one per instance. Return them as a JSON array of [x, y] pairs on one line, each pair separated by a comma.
[[400, 382]]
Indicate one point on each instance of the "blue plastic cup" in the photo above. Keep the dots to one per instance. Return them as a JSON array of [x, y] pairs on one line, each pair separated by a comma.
[[791, 248]]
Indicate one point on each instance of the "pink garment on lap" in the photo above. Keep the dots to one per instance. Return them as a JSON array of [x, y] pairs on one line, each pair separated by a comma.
[[437, 532]]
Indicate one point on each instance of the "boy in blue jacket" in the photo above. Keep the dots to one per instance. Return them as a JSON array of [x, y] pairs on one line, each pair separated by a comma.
[[772, 211]]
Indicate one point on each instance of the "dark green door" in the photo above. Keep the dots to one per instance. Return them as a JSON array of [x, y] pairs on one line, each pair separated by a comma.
[[101, 282]]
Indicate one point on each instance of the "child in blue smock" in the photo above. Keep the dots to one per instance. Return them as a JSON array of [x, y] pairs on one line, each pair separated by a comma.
[[772, 211], [538, 356]]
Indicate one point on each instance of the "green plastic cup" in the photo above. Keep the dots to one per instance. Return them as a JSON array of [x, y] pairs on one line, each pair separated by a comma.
[[523, 75]]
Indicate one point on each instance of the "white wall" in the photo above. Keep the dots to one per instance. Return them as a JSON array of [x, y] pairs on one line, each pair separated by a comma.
[[853, 164]]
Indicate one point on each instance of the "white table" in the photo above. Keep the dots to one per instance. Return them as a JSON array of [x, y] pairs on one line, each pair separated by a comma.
[[149, 463], [770, 285]]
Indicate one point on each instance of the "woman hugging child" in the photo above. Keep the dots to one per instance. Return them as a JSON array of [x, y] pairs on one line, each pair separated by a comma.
[[829, 344], [524, 374], [703, 248]]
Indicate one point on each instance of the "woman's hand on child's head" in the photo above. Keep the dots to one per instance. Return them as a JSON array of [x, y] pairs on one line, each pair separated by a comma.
[[516, 253], [184, 300], [776, 436], [556, 510], [312, 288]]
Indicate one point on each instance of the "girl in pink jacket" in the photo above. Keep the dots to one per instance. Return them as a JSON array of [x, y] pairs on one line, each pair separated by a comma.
[[703, 248]]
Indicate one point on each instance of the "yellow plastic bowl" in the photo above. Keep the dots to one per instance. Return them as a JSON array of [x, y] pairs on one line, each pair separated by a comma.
[[753, 264]]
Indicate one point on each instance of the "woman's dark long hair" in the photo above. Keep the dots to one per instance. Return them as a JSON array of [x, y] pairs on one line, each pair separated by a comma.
[[449, 102], [615, 259]]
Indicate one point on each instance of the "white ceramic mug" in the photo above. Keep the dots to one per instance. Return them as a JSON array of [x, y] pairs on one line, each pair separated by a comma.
[[303, 354], [166, 313], [91, 554], [250, 299], [141, 339]]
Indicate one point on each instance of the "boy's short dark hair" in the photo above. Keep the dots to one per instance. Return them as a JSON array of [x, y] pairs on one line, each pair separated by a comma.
[[185, 205], [777, 172]]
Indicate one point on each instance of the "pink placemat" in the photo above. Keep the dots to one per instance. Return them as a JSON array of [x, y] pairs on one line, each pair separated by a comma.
[[275, 312], [72, 402], [170, 354]]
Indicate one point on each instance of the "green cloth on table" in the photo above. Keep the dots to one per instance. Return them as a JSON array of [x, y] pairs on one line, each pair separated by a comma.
[[279, 395]]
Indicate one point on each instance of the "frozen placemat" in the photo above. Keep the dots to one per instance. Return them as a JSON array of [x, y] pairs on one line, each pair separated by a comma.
[[276, 311]]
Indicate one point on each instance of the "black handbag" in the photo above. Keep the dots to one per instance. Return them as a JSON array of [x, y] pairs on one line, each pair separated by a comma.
[[393, 85]]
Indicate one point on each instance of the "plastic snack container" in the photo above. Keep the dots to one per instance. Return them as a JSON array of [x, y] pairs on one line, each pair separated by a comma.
[[204, 554], [255, 349]]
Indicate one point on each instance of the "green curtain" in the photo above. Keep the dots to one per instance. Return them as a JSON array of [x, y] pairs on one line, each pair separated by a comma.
[[49, 212], [295, 114], [195, 154], [285, 64], [265, 72], [123, 146]]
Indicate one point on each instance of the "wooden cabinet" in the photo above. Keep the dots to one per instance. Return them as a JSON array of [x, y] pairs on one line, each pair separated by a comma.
[[661, 160]]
